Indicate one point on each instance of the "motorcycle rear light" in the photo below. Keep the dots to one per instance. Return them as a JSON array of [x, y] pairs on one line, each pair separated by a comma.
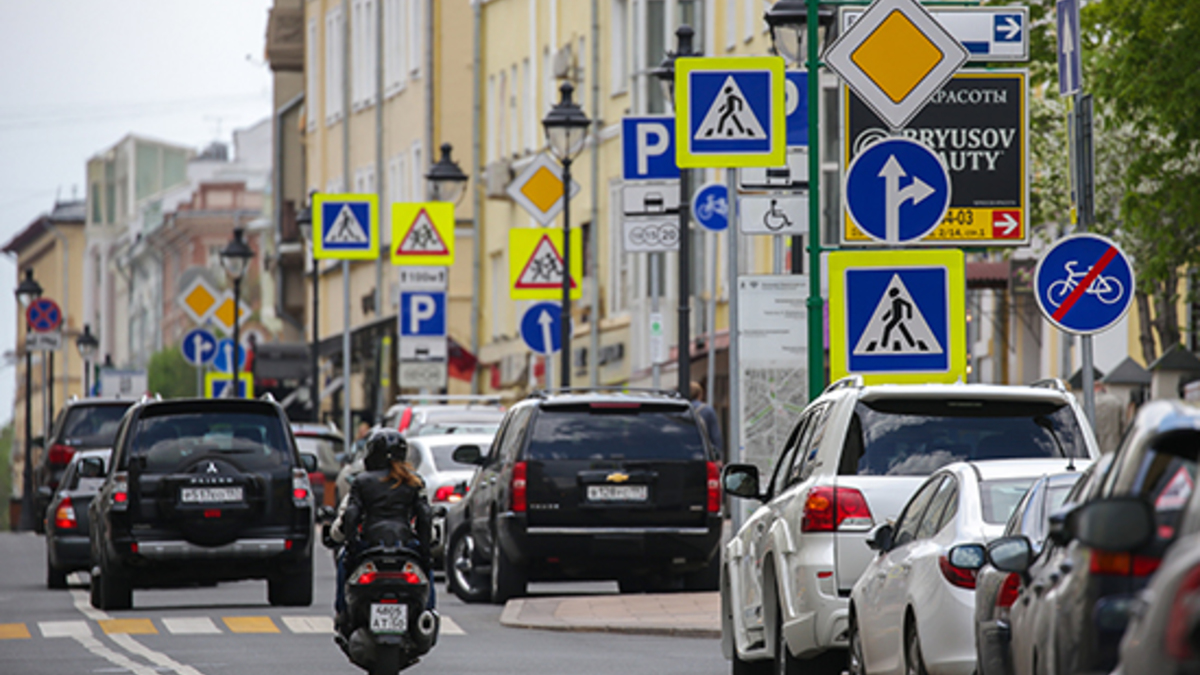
[[518, 487], [828, 509], [59, 454], [714, 488], [1122, 564], [64, 515], [957, 576], [1181, 625]]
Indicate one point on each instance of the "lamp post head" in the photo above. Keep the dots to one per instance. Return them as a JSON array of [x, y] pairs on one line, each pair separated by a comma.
[[665, 72], [236, 255], [304, 220], [29, 289], [788, 22], [87, 343], [447, 182], [566, 125]]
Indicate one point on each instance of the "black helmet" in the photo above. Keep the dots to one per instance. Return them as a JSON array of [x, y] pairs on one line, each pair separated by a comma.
[[383, 447]]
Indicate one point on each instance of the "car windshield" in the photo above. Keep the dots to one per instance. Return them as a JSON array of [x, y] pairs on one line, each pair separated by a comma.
[[443, 459], [907, 437], [1000, 497], [644, 432], [93, 426], [174, 442]]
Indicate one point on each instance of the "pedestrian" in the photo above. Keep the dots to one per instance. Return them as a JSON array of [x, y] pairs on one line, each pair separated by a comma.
[[1109, 424], [709, 417]]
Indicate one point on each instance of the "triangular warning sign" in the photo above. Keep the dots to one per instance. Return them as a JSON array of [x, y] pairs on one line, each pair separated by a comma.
[[346, 229], [423, 238], [730, 117], [1175, 495], [897, 326], [544, 269]]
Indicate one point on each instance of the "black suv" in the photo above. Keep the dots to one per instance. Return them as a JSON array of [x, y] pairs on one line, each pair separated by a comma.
[[589, 485], [203, 491], [82, 424]]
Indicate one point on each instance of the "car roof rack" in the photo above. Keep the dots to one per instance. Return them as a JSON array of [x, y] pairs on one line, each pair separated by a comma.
[[268, 396], [450, 398], [855, 381], [1051, 383], [605, 389]]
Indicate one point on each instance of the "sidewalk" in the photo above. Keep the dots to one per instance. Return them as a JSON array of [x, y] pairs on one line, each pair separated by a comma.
[[677, 614]]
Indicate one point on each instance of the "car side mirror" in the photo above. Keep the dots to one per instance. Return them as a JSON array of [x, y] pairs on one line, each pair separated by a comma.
[[468, 454], [881, 540], [309, 462], [1011, 554], [45, 492], [967, 556], [1112, 523], [741, 480], [91, 467]]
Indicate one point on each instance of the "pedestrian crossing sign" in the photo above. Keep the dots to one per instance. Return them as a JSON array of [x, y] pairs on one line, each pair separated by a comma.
[[898, 316], [346, 225], [730, 112], [535, 263], [217, 385], [423, 234]]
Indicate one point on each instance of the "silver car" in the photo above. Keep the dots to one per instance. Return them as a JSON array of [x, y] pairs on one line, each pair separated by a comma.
[[445, 479]]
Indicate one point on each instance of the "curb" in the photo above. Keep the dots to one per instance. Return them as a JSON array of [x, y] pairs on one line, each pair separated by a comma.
[[511, 617]]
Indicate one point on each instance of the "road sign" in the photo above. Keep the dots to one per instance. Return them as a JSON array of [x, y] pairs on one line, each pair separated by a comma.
[[773, 214], [978, 123], [795, 108], [988, 33], [538, 189], [43, 315], [648, 148], [658, 339], [422, 313], [50, 341], [897, 190], [216, 385], [222, 312], [223, 359], [423, 234], [347, 225], [730, 112], [423, 278], [1070, 70], [198, 299], [650, 235], [199, 347], [895, 57], [123, 383], [650, 199], [541, 328], [1084, 284], [898, 316], [423, 374], [710, 207], [789, 177], [535, 263]]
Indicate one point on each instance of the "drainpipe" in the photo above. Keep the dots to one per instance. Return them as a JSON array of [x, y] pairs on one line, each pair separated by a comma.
[[286, 108], [427, 154], [477, 212]]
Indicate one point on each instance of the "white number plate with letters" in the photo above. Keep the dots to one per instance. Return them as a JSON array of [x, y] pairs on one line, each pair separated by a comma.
[[206, 495], [389, 618], [618, 493]]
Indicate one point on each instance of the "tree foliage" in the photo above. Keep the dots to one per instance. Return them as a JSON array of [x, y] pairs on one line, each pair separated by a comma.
[[170, 375]]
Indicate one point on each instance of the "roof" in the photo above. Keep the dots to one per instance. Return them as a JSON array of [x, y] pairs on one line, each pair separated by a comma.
[[985, 274], [1128, 372], [965, 391], [1076, 381], [1002, 469], [1177, 358], [63, 213], [626, 396]]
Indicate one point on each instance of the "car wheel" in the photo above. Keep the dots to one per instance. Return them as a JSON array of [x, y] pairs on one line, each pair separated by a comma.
[[292, 587], [55, 577], [914, 663], [855, 665], [116, 591], [461, 576], [508, 580]]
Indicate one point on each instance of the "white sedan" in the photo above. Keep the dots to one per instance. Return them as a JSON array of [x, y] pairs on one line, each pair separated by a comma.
[[912, 610]]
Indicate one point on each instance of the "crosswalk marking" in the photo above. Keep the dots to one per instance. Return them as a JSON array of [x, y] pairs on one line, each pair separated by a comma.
[[250, 624], [13, 631], [450, 628], [190, 625], [128, 627], [54, 629], [309, 624]]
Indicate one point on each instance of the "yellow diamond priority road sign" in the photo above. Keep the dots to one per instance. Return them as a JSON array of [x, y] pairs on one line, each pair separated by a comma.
[[539, 189], [896, 57]]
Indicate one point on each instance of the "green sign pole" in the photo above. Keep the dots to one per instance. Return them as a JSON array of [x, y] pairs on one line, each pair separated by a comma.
[[816, 305]]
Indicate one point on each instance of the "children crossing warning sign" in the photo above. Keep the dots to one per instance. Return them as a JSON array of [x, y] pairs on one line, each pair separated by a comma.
[[897, 326], [423, 233], [535, 263]]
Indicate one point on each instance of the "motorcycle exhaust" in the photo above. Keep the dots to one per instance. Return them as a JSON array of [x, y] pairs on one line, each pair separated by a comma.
[[426, 623]]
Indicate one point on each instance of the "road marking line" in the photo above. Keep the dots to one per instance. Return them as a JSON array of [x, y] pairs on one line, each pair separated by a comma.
[[77, 579], [94, 646], [309, 624], [83, 602], [449, 627], [54, 629], [250, 624], [128, 627], [191, 625], [158, 658], [13, 631]]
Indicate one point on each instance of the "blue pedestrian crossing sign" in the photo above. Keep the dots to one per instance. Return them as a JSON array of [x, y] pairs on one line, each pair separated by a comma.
[[648, 148], [345, 226], [223, 359], [541, 328], [1084, 284], [897, 190], [898, 316], [218, 385], [199, 347], [730, 112], [423, 314]]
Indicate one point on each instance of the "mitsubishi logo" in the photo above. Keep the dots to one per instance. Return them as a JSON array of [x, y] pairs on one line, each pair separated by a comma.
[[212, 468]]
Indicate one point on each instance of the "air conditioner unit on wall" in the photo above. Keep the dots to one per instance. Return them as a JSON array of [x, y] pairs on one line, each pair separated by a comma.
[[564, 63], [496, 177]]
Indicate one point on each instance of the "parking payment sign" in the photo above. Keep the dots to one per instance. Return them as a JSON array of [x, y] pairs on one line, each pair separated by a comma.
[[1084, 284], [648, 148]]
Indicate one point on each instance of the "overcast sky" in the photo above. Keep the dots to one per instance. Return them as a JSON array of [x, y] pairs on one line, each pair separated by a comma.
[[78, 75]]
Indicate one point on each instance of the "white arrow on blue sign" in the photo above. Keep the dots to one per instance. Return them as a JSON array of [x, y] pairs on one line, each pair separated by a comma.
[[987, 33], [897, 190], [1084, 284], [648, 148], [541, 328], [423, 313], [710, 207], [1070, 72], [199, 347], [223, 359]]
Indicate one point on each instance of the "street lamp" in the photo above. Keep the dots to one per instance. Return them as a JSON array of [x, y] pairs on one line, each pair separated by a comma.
[[665, 72], [447, 182], [235, 258], [566, 127], [304, 220], [788, 21], [87, 344], [28, 291]]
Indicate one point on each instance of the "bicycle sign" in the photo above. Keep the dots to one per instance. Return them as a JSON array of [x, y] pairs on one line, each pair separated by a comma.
[[710, 207], [1084, 284]]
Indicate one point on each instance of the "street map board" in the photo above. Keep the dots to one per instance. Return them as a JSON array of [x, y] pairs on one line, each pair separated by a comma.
[[535, 263]]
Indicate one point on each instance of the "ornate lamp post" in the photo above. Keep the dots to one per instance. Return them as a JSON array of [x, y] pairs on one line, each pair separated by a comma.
[[87, 344], [235, 258], [447, 182], [28, 291], [304, 220]]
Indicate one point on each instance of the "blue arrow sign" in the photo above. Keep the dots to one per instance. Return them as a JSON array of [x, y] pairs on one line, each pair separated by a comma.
[[423, 313], [223, 360], [648, 148], [795, 106], [1070, 72], [897, 320], [541, 328], [1084, 284], [897, 190], [710, 207], [199, 346]]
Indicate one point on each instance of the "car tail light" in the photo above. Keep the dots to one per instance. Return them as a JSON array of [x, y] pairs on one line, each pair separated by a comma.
[[1181, 624], [828, 509], [446, 493], [1007, 595], [518, 487], [1122, 564], [957, 576], [714, 488], [405, 419], [300, 486], [59, 454], [120, 491], [64, 515]]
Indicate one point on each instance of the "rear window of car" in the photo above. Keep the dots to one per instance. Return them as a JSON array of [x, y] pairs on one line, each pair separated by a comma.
[[443, 457], [999, 497], [93, 425], [907, 437], [599, 433], [170, 443], [458, 428], [325, 448]]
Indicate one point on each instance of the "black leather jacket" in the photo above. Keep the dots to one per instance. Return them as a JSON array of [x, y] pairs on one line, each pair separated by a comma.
[[386, 512]]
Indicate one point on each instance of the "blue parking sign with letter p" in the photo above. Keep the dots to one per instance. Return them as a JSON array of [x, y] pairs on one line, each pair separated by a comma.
[[423, 313], [648, 148]]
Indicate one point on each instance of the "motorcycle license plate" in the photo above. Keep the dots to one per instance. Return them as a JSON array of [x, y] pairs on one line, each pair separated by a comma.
[[210, 495], [389, 618]]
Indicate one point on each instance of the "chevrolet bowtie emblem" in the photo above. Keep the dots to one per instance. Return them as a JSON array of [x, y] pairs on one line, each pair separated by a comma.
[[212, 468], [617, 477]]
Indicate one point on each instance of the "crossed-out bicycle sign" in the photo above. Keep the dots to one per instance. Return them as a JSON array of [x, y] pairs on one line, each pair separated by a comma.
[[1084, 284]]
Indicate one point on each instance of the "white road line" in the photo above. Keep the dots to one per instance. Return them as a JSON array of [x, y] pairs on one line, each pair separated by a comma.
[[57, 629], [117, 659], [191, 625], [450, 628], [129, 644], [309, 624], [76, 578], [83, 603]]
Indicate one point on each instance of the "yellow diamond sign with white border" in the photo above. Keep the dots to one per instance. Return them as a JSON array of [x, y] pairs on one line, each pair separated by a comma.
[[539, 190], [198, 300], [896, 57]]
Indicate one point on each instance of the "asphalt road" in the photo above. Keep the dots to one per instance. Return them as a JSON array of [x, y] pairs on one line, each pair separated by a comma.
[[230, 629]]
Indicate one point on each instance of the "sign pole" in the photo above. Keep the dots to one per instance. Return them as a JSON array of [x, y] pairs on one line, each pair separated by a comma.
[[816, 322], [346, 417], [711, 315], [683, 329], [655, 291], [1083, 191], [733, 440]]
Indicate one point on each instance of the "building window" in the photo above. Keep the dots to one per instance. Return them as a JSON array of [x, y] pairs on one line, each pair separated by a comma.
[[619, 48], [749, 21], [418, 173], [730, 25], [493, 143], [335, 45], [311, 74], [530, 124], [395, 61], [364, 46], [691, 13], [656, 50], [416, 34]]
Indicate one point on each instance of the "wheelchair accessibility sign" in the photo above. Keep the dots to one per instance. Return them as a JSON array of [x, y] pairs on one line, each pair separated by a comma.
[[731, 112], [898, 316], [1084, 284]]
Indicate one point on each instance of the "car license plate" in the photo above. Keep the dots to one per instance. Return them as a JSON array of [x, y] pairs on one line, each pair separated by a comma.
[[210, 495], [618, 493], [389, 618]]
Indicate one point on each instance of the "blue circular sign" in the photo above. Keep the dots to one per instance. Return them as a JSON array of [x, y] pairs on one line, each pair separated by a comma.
[[199, 347], [542, 326], [897, 190], [223, 359], [43, 315], [1084, 284], [710, 207]]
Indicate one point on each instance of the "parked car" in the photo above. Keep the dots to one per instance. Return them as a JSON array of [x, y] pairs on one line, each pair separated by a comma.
[[325, 443], [590, 485], [448, 413], [82, 424], [66, 521], [912, 609], [433, 459], [853, 459], [203, 491], [1075, 598]]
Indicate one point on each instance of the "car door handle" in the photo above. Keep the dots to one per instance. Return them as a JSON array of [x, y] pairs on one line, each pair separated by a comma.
[[1066, 567], [1039, 588]]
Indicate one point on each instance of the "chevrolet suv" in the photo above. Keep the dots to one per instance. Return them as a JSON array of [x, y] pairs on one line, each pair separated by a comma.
[[202, 491], [851, 462], [589, 485]]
